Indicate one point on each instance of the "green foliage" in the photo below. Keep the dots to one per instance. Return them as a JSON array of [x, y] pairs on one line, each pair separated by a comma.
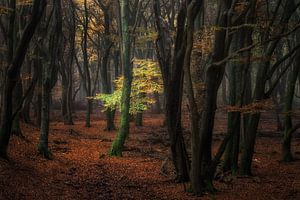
[[146, 81]]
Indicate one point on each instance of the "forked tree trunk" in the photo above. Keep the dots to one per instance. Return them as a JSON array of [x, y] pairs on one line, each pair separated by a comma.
[[249, 137], [202, 171], [172, 74]]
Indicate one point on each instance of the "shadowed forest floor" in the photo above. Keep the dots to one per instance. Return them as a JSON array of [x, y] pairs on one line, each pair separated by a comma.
[[81, 168]]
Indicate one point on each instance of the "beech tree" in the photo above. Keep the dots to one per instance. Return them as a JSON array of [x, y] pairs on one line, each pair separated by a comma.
[[117, 146], [49, 75], [172, 75]]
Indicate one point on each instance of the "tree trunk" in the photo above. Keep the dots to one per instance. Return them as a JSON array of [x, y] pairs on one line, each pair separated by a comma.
[[118, 144], [49, 78], [139, 119], [38, 107], [105, 74], [202, 171], [14, 72], [87, 76], [67, 90], [288, 109], [237, 76], [28, 99], [250, 133], [45, 110], [172, 74], [17, 100]]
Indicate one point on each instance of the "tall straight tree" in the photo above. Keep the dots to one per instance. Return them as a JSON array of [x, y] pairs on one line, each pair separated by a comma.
[[13, 73], [66, 68], [118, 144], [105, 75], [86, 72], [49, 76]]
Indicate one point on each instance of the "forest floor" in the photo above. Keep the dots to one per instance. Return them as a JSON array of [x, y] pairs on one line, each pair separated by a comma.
[[81, 168]]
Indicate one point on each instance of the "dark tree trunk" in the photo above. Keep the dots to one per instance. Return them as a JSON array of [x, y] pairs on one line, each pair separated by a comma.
[[17, 100], [14, 72], [45, 110], [25, 112], [49, 77], [139, 119], [263, 73], [173, 86], [87, 76], [105, 75], [38, 107], [202, 170], [238, 74], [28, 100], [288, 110]]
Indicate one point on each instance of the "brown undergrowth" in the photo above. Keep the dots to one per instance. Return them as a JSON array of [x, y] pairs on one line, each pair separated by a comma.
[[81, 168]]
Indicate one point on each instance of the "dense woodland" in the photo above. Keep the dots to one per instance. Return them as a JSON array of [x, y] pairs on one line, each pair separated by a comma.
[[199, 96]]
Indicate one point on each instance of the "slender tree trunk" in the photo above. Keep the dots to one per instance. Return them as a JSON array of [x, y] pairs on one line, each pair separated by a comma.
[[45, 110], [17, 100], [288, 108], [27, 102], [139, 119], [49, 78], [118, 144], [38, 107], [64, 94], [69, 100], [87, 78], [25, 112], [238, 71], [67, 91], [105, 74]]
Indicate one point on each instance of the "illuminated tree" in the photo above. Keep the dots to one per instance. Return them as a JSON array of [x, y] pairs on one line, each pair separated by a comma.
[[146, 81]]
